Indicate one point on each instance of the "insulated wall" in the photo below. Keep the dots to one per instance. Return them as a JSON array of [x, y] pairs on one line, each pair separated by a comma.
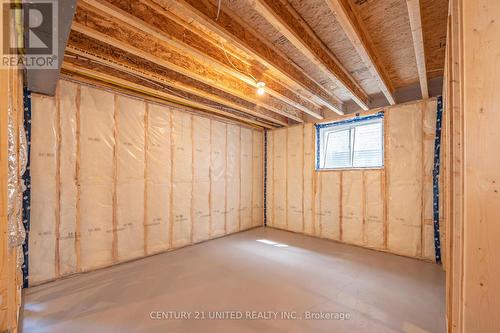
[[233, 171], [130, 180], [68, 186], [201, 179], [158, 179], [116, 178], [389, 209], [43, 190], [245, 165], [257, 170], [96, 178], [404, 163], [218, 158], [182, 178]]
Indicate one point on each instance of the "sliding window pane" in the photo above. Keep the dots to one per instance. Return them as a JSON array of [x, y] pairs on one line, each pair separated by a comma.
[[368, 146], [338, 150]]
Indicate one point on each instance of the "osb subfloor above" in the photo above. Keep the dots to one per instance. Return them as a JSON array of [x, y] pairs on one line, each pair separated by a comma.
[[380, 292]]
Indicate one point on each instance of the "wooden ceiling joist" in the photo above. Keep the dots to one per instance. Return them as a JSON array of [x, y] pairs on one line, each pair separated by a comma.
[[129, 84], [114, 88], [113, 59], [291, 25], [358, 37], [119, 35], [418, 44], [152, 19], [243, 37]]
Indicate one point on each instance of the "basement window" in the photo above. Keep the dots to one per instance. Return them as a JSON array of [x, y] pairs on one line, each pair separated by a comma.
[[351, 144]]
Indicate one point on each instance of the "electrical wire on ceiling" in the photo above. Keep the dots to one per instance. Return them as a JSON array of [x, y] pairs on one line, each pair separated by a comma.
[[232, 64], [219, 5], [260, 85]]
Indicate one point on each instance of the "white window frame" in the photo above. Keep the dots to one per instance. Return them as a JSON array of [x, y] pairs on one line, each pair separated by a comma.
[[324, 129]]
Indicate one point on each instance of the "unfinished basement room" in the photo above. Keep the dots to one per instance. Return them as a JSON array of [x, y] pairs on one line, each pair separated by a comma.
[[248, 166]]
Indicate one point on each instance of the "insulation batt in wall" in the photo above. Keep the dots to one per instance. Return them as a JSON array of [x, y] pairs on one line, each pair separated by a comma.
[[182, 178], [295, 175], [96, 177], [388, 209], [117, 178], [158, 179], [233, 169], [280, 213], [404, 144], [130, 181], [352, 204], [257, 170], [42, 239], [246, 179], [69, 95], [308, 180], [373, 231], [218, 157], [330, 190], [270, 179], [201, 179]]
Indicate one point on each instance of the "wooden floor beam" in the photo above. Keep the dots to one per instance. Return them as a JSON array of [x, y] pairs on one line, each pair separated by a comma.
[[129, 84], [356, 33], [418, 44], [140, 44], [241, 36], [122, 64], [150, 18], [291, 25]]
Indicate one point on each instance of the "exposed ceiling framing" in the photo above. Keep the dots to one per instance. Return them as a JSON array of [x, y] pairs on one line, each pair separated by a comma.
[[193, 53], [143, 87], [148, 71], [163, 28], [244, 37]]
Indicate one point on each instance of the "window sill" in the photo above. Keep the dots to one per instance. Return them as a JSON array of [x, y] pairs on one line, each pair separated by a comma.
[[350, 169]]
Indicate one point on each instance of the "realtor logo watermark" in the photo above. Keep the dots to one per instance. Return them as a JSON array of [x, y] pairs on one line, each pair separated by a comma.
[[30, 34]]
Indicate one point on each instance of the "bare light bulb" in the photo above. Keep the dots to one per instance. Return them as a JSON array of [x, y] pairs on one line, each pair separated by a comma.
[[260, 88]]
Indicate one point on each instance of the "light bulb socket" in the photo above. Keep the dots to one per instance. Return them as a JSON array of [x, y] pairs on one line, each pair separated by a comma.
[[260, 88]]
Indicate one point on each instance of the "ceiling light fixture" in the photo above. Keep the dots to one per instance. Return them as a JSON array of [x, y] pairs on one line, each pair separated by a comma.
[[260, 88]]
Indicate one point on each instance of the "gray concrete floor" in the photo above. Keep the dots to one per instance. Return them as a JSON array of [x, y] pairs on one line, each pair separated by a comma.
[[379, 292]]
